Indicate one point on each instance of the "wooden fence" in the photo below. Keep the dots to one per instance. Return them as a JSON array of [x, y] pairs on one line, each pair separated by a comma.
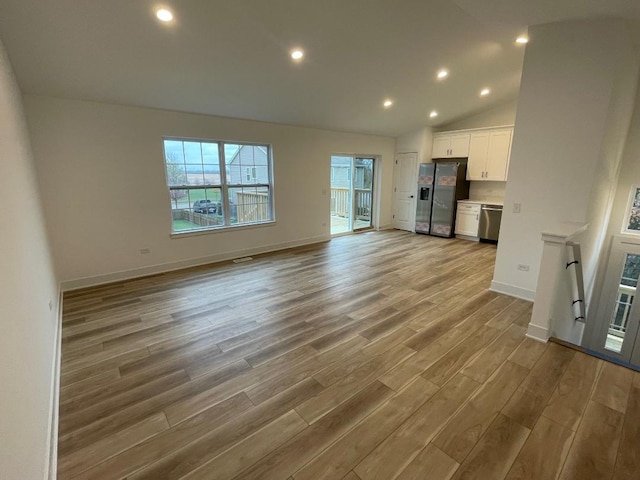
[[252, 207], [246, 208], [197, 218]]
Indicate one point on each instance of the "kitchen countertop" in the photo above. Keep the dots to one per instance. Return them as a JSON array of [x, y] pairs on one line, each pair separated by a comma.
[[482, 202]]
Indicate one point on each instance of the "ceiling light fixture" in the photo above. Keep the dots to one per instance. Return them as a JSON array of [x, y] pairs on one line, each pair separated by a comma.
[[164, 15], [443, 74], [387, 103], [484, 92], [522, 40], [433, 114], [297, 54]]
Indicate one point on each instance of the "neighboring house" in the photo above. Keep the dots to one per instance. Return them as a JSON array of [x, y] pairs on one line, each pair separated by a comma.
[[249, 165], [341, 173]]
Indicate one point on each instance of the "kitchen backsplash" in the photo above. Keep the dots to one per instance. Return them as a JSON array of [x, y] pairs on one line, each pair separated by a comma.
[[487, 191]]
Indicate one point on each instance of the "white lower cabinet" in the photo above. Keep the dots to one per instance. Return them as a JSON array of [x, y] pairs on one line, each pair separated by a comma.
[[467, 219]]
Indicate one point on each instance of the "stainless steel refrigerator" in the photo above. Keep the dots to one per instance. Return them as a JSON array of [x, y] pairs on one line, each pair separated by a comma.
[[440, 186]]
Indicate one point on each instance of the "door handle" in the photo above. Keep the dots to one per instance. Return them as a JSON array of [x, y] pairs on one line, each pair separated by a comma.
[[410, 196]]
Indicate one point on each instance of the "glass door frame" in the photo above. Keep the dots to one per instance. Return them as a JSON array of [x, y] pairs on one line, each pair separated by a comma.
[[352, 201], [621, 247]]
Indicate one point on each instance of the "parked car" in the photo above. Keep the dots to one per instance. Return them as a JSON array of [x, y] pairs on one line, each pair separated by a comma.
[[205, 206]]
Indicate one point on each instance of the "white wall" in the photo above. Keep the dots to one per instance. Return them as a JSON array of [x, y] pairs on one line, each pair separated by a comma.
[[629, 173], [419, 141], [616, 135], [503, 114], [27, 284], [628, 177], [570, 123], [105, 195]]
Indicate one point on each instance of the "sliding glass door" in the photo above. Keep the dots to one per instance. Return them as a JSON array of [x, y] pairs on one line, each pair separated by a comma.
[[351, 193]]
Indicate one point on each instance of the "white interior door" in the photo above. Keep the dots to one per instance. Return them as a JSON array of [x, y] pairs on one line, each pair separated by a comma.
[[618, 320], [404, 191]]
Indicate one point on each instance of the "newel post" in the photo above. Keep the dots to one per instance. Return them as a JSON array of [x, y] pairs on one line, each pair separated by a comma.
[[552, 266]]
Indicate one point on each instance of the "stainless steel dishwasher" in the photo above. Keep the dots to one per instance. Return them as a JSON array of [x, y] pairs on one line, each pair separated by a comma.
[[490, 217]]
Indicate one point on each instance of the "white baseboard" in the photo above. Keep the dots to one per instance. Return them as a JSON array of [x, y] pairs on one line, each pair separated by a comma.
[[55, 395], [513, 291], [385, 227], [540, 334], [192, 262], [468, 237]]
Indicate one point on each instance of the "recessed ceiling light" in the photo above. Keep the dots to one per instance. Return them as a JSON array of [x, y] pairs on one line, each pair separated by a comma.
[[433, 114], [443, 74], [297, 54], [484, 92], [522, 40], [387, 103], [164, 15]]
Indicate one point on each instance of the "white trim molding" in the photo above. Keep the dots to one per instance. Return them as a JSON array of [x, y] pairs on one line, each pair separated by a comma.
[[55, 395], [537, 333], [513, 291], [192, 262]]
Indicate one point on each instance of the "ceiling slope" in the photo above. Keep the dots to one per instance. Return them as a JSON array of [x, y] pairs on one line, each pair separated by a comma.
[[231, 58]]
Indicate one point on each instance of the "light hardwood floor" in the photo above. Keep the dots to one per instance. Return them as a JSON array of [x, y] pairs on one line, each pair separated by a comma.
[[375, 356]]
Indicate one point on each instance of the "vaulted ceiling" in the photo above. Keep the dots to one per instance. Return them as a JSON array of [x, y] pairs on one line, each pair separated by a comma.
[[231, 58]]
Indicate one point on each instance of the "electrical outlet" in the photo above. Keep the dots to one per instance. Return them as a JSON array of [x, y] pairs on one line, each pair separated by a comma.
[[523, 268], [516, 208], [145, 251]]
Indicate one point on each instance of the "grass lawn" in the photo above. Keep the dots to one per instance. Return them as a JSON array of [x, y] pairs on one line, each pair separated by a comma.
[[179, 225], [195, 195]]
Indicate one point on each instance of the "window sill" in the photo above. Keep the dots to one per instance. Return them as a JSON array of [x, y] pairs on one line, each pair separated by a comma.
[[192, 233]]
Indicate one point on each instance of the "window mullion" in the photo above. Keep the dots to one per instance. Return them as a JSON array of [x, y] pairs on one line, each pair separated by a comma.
[[241, 186], [223, 182], [193, 187]]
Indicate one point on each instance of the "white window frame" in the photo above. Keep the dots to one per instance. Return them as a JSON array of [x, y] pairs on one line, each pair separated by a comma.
[[224, 186], [632, 211]]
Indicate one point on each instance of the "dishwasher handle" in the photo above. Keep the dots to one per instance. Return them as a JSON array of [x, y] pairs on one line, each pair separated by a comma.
[[492, 209]]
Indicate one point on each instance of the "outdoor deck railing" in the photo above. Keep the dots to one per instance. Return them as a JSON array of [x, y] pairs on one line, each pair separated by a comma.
[[624, 300], [340, 202]]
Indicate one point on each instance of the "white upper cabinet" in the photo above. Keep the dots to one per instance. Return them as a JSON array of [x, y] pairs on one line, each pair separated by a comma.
[[450, 145], [441, 146], [498, 154], [478, 149], [489, 152]]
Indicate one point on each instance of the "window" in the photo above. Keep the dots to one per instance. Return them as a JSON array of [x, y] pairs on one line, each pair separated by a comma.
[[632, 217], [207, 187], [252, 174]]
